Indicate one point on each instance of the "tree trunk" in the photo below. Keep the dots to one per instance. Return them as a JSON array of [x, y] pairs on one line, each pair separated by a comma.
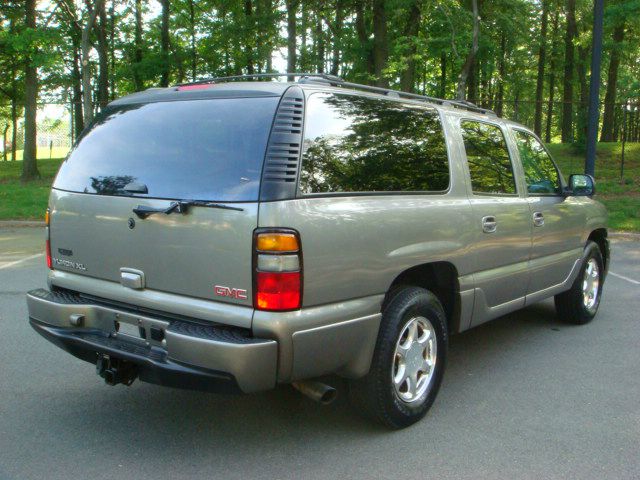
[[542, 50], [319, 45], [112, 48], [103, 58], [408, 76], [607, 134], [29, 162], [164, 43], [192, 38], [567, 94], [501, 75], [248, 41], [583, 102], [138, 83], [468, 63], [472, 81], [77, 93], [380, 42], [443, 74], [4, 142], [552, 79], [304, 24], [363, 38], [14, 120], [292, 7], [86, 67], [337, 35]]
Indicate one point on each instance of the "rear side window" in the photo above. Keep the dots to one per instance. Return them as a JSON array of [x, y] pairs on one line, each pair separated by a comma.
[[200, 150], [359, 144], [540, 172], [488, 158]]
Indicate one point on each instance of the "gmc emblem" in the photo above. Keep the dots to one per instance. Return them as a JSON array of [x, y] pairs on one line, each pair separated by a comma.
[[237, 293]]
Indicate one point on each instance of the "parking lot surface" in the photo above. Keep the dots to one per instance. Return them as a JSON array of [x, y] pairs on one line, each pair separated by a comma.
[[523, 397]]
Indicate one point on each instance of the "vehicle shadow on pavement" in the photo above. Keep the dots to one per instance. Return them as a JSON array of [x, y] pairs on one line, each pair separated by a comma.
[[161, 418]]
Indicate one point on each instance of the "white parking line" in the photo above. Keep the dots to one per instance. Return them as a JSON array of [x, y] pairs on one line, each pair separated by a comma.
[[625, 278], [11, 264]]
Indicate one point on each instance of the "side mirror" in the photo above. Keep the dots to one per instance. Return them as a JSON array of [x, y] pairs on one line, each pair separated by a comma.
[[581, 185]]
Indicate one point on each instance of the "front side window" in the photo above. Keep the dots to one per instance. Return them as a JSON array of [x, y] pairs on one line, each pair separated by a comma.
[[488, 158], [539, 170], [360, 144]]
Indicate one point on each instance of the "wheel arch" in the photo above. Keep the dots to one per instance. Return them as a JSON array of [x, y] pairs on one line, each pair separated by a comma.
[[600, 237], [440, 278]]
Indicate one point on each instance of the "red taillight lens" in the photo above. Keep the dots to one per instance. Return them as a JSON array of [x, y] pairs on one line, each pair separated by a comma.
[[277, 291], [48, 243], [277, 263], [48, 254]]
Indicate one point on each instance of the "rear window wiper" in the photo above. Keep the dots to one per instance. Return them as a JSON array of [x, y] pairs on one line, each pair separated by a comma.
[[181, 206]]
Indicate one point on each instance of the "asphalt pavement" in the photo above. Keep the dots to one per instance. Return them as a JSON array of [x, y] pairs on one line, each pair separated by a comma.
[[523, 397]]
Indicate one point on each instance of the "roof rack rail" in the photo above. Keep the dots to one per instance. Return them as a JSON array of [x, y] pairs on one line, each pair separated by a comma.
[[308, 76], [414, 96], [339, 82]]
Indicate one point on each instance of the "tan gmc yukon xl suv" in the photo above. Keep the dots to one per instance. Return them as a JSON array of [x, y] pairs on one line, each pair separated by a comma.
[[230, 235]]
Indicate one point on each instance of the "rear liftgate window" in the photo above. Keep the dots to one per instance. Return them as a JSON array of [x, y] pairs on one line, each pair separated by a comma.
[[199, 150], [360, 144]]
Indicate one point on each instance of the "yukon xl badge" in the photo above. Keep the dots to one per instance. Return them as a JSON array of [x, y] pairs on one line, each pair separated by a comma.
[[69, 264], [237, 293]]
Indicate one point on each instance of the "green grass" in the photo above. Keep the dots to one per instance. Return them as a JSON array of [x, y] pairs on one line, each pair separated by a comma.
[[25, 201], [29, 201], [622, 198]]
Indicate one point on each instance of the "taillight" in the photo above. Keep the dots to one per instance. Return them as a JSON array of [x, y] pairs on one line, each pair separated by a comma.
[[277, 270], [48, 239]]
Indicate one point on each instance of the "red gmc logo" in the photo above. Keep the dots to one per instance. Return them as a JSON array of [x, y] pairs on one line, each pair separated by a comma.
[[237, 293]]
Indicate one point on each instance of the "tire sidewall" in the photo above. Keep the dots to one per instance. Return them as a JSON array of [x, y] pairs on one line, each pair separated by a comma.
[[593, 252], [409, 303]]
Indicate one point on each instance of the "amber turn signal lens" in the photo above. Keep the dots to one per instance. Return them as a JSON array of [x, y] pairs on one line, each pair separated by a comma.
[[277, 242], [46, 218]]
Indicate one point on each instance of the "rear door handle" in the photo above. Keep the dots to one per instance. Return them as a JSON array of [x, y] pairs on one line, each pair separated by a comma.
[[538, 219], [489, 224]]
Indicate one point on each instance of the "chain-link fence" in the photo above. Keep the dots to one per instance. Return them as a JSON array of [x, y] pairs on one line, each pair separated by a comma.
[[56, 124], [54, 132]]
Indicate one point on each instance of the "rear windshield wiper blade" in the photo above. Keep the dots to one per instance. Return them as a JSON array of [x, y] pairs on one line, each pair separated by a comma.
[[181, 206]]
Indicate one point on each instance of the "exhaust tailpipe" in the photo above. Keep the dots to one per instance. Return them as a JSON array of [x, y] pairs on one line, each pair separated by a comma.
[[317, 391]]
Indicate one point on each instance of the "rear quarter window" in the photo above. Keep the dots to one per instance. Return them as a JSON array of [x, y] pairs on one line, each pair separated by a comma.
[[360, 144], [488, 158], [199, 149]]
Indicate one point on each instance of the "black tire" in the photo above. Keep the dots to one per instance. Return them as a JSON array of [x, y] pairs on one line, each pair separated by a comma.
[[375, 395], [570, 305]]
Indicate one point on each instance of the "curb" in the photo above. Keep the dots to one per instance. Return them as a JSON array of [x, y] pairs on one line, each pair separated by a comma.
[[627, 235], [21, 223]]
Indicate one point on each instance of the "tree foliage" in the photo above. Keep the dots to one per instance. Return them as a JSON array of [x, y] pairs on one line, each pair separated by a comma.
[[529, 60]]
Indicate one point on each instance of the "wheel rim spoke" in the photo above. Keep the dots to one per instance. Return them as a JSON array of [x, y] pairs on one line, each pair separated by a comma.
[[591, 285], [414, 359]]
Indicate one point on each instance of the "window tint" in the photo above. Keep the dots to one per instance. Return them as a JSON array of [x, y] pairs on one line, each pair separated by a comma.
[[539, 171], [488, 158], [200, 149], [359, 144]]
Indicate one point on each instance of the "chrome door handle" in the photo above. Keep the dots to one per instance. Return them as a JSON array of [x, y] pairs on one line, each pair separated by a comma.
[[538, 219], [489, 224]]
